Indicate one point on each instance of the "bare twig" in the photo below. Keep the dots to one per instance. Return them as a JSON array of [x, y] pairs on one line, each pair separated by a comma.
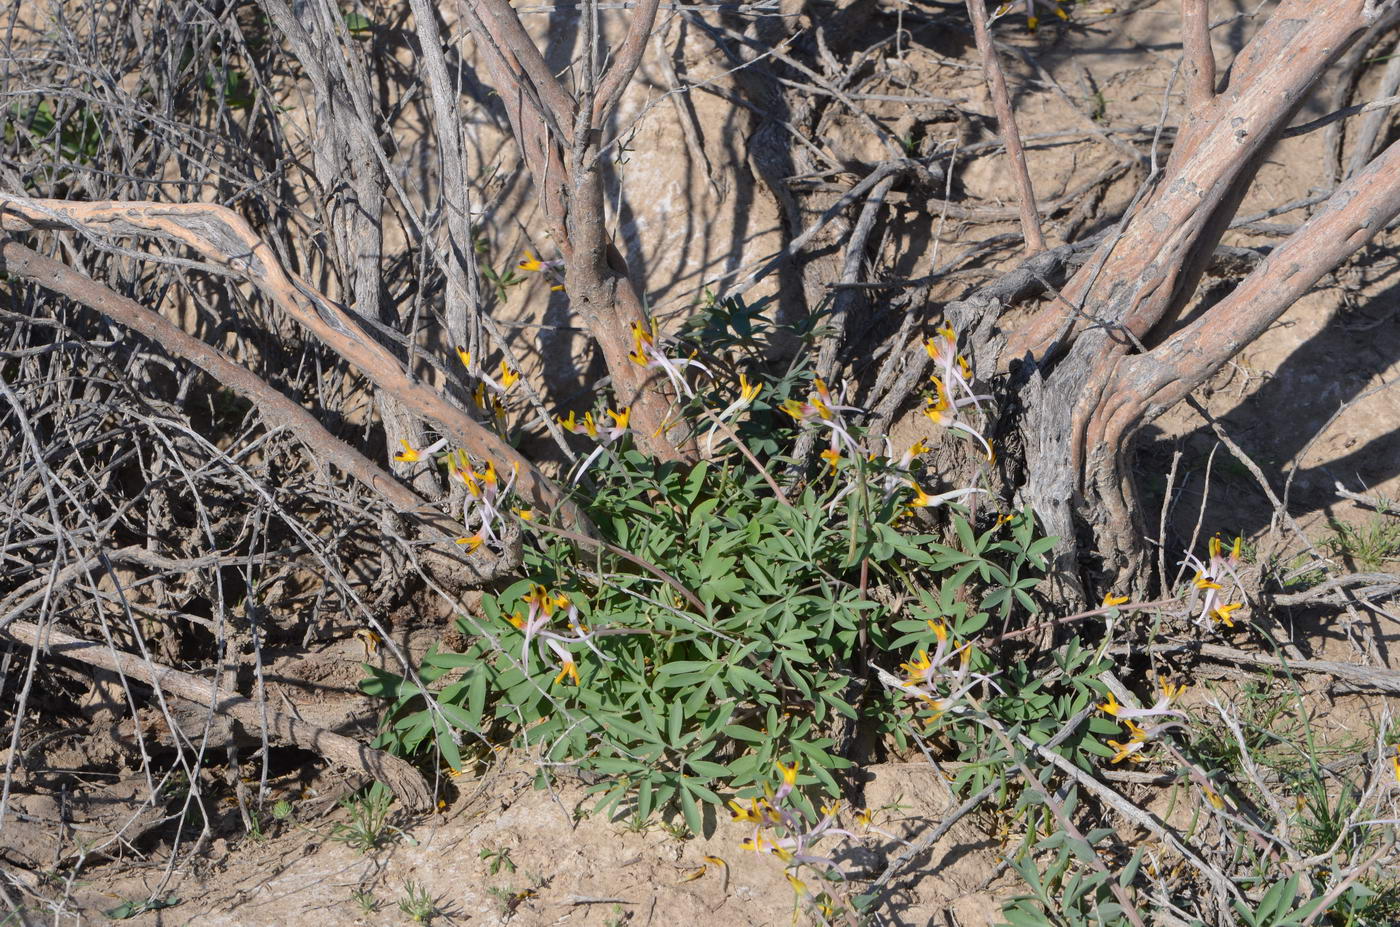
[[883, 170], [1383, 506], [1006, 120], [277, 410], [405, 781]]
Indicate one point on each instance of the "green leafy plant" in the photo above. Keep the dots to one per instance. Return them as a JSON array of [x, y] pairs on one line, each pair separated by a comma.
[[502, 280], [359, 25], [417, 903], [130, 909], [1370, 545], [368, 827], [736, 619], [497, 860], [365, 901], [724, 625], [1066, 888]]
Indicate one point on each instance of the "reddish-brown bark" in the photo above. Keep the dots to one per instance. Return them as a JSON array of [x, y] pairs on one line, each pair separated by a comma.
[[560, 135], [1090, 392], [1153, 268]]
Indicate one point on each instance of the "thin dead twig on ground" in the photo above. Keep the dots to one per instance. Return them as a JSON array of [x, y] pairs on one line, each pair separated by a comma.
[[405, 781], [1358, 678]]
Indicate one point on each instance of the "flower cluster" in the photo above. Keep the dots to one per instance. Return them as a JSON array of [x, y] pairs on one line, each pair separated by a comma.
[[784, 831], [1138, 736], [490, 403], [822, 409], [536, 626], [599, 430], [938, 681], [647, 353], [502, 384], [900, 477], [1210, 580], [484, 505], [952, 386]]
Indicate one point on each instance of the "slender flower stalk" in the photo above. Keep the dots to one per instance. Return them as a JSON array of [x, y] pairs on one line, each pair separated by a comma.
[[783, 831], [1139, 737], [505, 379], [1162, 707], [411, 455], [599, 429], [647, 353], [748, 392], [923, 500], [952, 386], [941, 410]]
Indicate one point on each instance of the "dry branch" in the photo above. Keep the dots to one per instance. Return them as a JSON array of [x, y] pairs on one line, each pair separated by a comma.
[[405, 781], [276, 409], [1199, 57], [1006, 120], [1084, 395], [560, 136], [1156, 265], [1142, 386], [1361, 678], [223, 237]]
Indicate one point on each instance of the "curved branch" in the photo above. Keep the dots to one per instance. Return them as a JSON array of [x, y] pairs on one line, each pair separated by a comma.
[[276, 409], [1155, 266], [616, 78], [1138, 388], [224, 237], [1359, 209]]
